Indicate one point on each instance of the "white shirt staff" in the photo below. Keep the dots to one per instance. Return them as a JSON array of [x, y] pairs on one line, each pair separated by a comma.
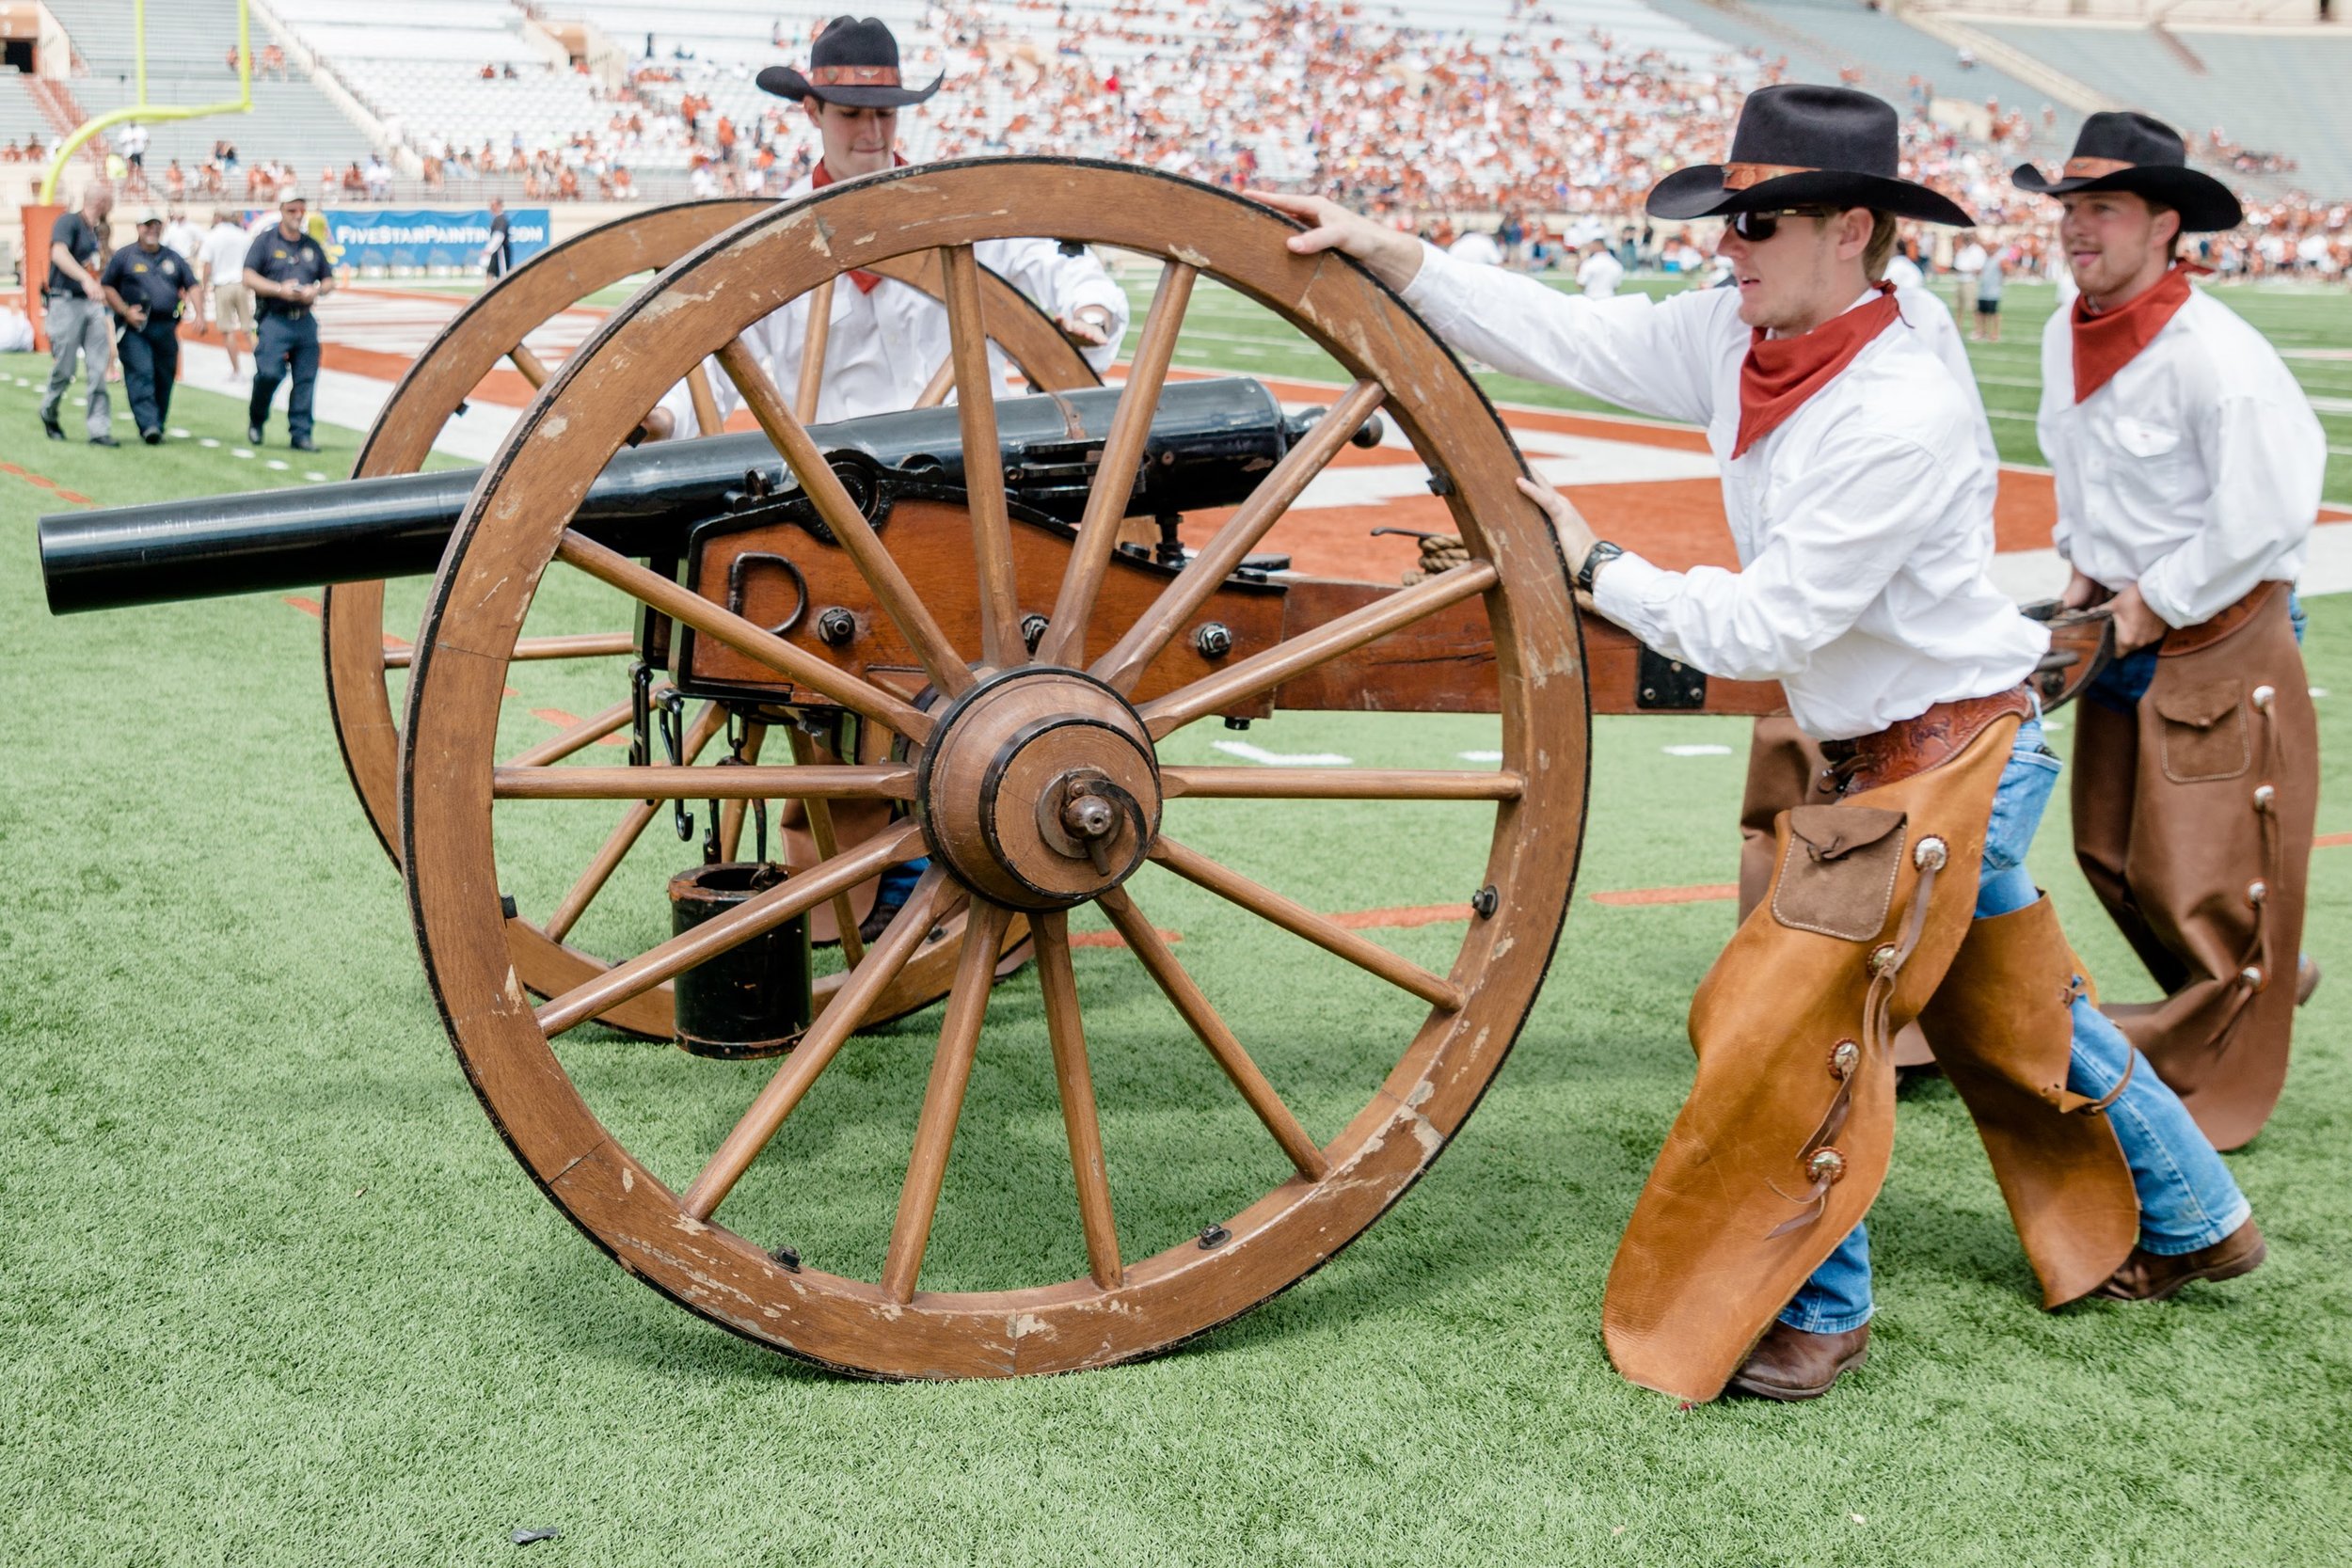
[[2194, 472]]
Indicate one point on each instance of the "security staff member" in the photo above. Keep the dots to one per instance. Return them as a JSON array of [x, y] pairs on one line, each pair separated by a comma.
[[287, 271], [74, 304], [144, 284]]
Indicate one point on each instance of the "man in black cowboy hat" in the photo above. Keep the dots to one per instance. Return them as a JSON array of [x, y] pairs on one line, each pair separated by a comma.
[[1858, 481], [2188, 466], [887, 338]]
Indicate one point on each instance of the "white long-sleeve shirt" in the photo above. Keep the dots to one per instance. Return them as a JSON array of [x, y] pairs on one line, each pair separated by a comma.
[[2195, 472], [1862, 523], [883, 346]]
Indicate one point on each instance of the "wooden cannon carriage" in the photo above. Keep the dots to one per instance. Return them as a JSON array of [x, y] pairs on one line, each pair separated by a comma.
[[947, 620]]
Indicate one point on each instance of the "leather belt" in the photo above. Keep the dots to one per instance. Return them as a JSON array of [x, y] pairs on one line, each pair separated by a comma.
[[2205, 633], [1915, 745]]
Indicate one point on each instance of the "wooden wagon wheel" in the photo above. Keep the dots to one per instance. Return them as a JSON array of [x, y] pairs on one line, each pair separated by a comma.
[[983, 772], [490, 329]]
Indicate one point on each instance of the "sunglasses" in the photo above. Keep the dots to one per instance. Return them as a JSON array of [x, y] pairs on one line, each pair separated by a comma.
[[1756, 227]]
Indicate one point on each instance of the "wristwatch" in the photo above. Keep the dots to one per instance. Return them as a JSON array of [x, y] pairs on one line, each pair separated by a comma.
[[1599, 556]]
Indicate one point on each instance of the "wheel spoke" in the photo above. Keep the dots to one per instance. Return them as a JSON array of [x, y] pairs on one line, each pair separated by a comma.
[[1180, 988], [943, 1098], [594, 644], [813, 342], [1115, 479], [1300, 921], [534, 370], [1075, 1080], [829, 844], [943, 381], [1124, 665], [885, 782], [761, 912], [1341, 783], [1294, 657], [891, 589], [984, 462], [708, 419], [708, 723], [934, 899], [804, 668], [575, 738]]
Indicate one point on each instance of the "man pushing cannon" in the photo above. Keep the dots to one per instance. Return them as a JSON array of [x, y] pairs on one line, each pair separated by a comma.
[[2189, 466], [1858, 482]]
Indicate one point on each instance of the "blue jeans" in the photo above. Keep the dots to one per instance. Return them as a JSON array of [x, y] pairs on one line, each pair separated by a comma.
[[2188, 1199], [285, 343]]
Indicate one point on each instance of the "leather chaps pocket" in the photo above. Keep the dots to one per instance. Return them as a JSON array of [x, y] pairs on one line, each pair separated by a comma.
[[2205, 736], [1837, 875]]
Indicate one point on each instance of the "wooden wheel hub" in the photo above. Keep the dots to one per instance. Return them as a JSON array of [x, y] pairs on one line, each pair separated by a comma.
[[1040, 789]]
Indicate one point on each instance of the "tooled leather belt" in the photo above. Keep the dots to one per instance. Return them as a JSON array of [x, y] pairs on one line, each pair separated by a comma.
[[1915, 745], [2220, 623]]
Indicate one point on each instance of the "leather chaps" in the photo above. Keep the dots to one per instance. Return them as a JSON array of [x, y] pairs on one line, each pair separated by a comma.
[[2193, 821], [1789, 1129]]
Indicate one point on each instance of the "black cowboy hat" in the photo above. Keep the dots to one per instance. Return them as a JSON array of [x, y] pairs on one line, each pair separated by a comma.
[[851, 62], [1804, 146], [2126, 151]]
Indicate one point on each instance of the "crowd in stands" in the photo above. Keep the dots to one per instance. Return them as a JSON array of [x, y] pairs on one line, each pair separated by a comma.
[[1531, 128]]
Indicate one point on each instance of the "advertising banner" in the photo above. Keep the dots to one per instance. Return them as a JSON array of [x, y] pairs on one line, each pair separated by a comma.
[[437, 238]]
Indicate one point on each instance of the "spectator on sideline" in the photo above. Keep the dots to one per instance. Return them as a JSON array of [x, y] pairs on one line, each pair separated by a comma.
[[180, 234], [145, 283], [74, 303], [1967, 266], [288, 270], [220, 263], [498, 254], [1986, 328], [1903, 268], [1599, 272], [1476, 245]]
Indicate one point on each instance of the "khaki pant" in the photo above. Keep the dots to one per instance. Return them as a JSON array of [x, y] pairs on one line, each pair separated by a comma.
[[232, 308]]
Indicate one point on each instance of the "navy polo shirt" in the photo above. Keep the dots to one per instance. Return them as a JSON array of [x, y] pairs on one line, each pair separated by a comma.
[[284, 260], [154, 278]]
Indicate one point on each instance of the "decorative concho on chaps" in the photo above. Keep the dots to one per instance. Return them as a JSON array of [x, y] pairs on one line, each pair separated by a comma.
[[2213, 784], [1785, 1139]]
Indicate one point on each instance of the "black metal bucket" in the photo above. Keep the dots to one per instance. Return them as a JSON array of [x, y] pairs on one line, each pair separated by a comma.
[[752, 1000]]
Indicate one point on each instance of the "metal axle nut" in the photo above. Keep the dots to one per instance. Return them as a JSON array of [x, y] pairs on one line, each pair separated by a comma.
[[1214, 639], [835, 627]]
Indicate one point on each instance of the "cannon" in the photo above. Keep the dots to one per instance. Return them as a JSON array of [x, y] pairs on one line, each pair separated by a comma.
[[978, 668]]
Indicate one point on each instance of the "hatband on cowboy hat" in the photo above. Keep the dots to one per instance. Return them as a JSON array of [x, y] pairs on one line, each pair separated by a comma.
[[2120, 150], [853, 63], [1799, 145]]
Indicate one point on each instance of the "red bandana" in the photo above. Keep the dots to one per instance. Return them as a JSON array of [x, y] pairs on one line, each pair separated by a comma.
[[818, 178], [1780, 374], [2107, 342]]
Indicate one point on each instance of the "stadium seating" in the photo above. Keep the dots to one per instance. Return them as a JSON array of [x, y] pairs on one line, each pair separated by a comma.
[[2276, 92], [187, 49]]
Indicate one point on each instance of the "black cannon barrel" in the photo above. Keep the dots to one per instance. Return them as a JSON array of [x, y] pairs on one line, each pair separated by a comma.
[[1211, 440]]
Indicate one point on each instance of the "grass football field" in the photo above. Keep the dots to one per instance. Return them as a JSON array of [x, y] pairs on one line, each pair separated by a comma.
[[273, 1291]]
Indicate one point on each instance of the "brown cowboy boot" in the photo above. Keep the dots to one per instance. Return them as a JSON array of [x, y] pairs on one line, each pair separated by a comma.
[[1791, 1364], [2152, 1277]]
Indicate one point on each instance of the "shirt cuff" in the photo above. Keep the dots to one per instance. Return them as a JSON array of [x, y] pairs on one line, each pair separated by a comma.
[[2155, 589], [1435, 293], [1635, 594]]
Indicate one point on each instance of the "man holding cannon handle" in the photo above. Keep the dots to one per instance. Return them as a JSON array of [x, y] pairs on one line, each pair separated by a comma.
[[1860, 496], [2188, 465], [884, 340]]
